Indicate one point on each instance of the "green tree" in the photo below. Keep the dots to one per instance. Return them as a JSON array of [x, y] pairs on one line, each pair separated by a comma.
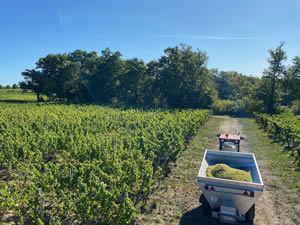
[[224, 86], [50, 67], [105, 83], [88, 68], [275, 71], [152, 92], [184, 80], [291, 83], [71, 80], [259, 98], [132, 82], [233, 85], [8, 86], [34, 80], [62, 76], [15, 86]]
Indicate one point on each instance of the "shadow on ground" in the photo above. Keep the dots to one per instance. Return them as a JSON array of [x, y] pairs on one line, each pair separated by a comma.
[[197, 217], [17, 101]]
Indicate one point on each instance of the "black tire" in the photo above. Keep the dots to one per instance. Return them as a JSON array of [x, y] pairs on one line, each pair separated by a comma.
[[250, 214], [238, 147], [220, 147], [205, 205]]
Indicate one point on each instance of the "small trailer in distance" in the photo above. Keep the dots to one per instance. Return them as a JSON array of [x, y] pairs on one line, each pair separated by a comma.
[[230, 200], [229, 142]]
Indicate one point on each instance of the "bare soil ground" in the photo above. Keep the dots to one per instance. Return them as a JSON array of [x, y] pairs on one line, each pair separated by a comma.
[[176, 199]]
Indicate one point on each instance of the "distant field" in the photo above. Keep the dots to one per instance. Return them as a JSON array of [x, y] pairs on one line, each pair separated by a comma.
[[11, 90], [16, 95]]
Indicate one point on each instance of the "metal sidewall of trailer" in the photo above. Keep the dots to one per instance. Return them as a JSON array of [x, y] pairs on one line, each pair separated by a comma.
[[221, 147], [242, 203]]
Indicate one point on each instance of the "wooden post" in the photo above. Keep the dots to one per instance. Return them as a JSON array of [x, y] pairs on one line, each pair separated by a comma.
[[41, 209]]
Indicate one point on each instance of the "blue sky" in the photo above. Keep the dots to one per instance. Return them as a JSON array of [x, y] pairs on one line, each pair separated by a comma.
[[236, 34]]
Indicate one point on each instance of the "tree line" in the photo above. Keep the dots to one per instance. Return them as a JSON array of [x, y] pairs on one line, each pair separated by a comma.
[[178, 79], [279, 87], [14, 86], [277, 91]]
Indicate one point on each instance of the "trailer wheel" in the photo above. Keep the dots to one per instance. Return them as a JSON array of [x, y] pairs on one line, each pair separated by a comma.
[[250, 214], [238, 147], [205, 205]]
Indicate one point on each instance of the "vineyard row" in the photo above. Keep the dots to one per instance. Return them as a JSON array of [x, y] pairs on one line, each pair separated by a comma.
[[73, 164]]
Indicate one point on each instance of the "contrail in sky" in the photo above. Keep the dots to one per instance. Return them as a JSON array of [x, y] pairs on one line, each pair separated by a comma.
[[61, 22]]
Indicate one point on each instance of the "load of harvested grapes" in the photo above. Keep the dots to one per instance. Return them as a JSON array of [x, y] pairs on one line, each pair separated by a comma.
[[226, 172]]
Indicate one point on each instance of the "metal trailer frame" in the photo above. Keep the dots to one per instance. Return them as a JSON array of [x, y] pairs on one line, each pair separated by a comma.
[[231, 200], [232, 141]]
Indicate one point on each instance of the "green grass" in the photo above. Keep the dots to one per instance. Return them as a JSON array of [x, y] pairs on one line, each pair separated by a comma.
[[16, 95], [11, 90], [279, 163], [176, 199]]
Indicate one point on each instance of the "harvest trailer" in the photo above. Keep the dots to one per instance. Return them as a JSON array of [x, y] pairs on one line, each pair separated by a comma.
[[230, 200], [229, 142]]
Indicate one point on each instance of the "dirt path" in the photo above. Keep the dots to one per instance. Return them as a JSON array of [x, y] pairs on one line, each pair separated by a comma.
[[176, 200], [270, 208]]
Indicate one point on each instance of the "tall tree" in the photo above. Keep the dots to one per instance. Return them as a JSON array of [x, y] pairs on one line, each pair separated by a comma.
[[88, 62], [34, 80], [184, 79], [71, 81], [105, 83], [51, 67], [275, 71], [152, 92], [291, 83], [132, 82], [225, 86]]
